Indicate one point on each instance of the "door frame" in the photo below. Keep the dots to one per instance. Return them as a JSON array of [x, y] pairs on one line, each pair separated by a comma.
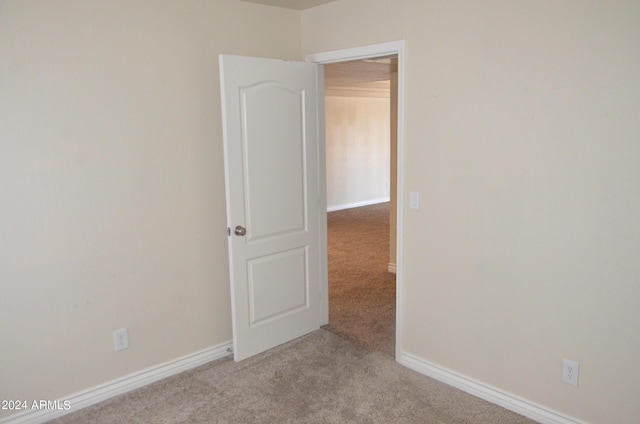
[[365, 52]]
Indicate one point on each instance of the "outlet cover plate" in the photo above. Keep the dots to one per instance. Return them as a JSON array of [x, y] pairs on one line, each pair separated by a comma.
[[121, 339], [570, 371]]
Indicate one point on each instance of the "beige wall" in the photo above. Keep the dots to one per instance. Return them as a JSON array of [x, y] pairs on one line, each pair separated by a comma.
[[112, 185], [522, 129], [357, 150], [393, 168]]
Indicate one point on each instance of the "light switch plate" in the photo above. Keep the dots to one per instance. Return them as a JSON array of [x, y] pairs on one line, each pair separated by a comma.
[[414, 200]]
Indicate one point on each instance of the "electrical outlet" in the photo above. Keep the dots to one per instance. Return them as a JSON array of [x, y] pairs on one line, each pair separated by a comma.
[[570, 371], [121, 339]]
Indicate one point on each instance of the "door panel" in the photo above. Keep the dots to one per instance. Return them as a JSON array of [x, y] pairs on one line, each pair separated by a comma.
[[273, 295], [274, 171], [270, 124]]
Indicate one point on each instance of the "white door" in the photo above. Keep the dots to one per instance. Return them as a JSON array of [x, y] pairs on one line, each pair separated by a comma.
[[271, 134]]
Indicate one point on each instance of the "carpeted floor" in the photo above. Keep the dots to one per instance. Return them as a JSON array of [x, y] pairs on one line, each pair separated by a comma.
[[318, 378], [362, 293]]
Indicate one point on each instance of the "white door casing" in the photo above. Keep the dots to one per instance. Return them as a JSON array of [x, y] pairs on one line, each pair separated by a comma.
[[271, 143], [370, 52]]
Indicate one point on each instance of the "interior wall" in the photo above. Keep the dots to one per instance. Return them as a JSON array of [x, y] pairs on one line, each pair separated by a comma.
[[357, 150], [112, 185], [522, 122], [393, 144]]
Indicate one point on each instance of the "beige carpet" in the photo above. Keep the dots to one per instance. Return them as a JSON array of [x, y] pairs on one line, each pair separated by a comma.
[[362, 293], [319, 378]]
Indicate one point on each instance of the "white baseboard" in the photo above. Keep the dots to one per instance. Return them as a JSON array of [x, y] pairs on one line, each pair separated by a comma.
[[334, 208], [391, 268], [121, 385], [494, 395]]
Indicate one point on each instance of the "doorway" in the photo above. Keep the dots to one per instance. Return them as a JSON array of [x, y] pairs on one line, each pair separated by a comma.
[[358, 140], [378, 56]]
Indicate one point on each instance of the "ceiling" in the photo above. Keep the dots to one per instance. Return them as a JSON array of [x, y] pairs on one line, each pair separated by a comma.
[[292, 4]]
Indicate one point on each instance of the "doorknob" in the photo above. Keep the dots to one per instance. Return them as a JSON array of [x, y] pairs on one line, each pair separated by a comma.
[[240, 230]]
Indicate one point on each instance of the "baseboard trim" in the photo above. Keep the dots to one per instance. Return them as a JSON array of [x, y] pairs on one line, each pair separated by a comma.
[[494, 395], [357, 204], [391, 268], [122, 385]]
